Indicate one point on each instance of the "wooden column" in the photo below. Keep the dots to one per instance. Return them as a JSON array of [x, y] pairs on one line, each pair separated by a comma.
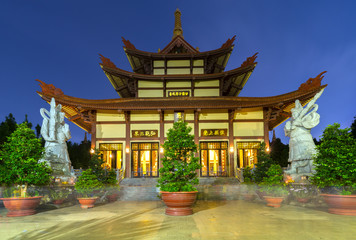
[[231, 142], [161, 135], [266, 127], [93, 131], [196, 132], [127, 145]]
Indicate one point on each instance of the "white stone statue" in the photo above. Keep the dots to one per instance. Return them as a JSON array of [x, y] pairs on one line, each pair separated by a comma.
[[301, 144], [56, 132]]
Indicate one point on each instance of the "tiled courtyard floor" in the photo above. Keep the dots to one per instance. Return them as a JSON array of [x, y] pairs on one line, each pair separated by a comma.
[[211, 220]]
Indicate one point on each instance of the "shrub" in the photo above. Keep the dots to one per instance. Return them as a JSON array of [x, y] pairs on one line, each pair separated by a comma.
[[179, 164], [19, 158], [335, 161]]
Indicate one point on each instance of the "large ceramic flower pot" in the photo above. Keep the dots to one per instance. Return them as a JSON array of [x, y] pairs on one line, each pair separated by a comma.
[[274, 201], [179, 203], [341, 204], [112, 197], [87, 202], [58, 201], [303, 200], [19, 206], [248, 196]]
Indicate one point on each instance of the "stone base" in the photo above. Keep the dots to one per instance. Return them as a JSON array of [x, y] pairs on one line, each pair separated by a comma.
[[298, 177]]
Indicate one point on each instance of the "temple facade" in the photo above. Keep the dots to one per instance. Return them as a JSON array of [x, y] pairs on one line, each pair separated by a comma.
[[180, 82]]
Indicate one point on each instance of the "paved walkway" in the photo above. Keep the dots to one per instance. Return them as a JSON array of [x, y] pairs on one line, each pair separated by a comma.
[[211, 220]]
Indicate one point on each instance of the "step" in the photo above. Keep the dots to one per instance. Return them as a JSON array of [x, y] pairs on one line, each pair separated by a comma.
[[144, 189]]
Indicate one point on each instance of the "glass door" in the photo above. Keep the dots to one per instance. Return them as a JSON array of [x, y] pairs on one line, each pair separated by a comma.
[[144, 159], [213, 156]]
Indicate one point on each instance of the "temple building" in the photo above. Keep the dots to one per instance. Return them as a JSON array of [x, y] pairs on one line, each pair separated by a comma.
[[180, 82]]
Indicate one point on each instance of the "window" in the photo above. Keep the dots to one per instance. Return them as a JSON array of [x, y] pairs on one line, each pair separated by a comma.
[[112, 154], [247, 153]]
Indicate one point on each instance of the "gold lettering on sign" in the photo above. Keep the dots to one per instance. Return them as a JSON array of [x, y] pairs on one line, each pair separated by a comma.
[[144, 133], [213, 132], [178, 93]]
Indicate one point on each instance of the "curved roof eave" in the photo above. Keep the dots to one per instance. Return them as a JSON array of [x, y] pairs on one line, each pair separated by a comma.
[[140, 53]]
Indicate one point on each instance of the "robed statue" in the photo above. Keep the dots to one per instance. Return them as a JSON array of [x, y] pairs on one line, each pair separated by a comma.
[[301, 144], [56, 132]]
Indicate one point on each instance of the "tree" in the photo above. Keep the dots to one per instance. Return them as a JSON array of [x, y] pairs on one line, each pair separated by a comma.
[[7, 127], [264, 163], [353, 128], [179, 164], [335, 161], [27, 122], [279, 152], [19, 160], [79, 154]]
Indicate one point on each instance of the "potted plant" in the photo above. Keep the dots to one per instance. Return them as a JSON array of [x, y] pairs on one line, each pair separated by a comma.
[[111, 186], [264, 163], [274, 187], [59, 195], [248, 185], [302, 193], [335, 164], [88, 187], [19, 168], [178, 174]]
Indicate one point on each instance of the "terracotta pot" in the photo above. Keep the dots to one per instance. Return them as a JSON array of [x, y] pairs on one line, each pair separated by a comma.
[[274, 201], [18, 206], [341, 204], [303, 200], [86, 203], [179, 203], [58, 201], [260, 194], [248, 196], [112, 197]]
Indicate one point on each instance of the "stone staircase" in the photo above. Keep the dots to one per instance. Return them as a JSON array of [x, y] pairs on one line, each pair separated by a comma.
[[144, 189]]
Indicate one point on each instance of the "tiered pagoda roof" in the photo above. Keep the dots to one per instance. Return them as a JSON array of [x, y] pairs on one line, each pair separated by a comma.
[[215, 61], [80, 111]]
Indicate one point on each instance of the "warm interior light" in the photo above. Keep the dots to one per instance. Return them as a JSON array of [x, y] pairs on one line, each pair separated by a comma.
[[110, 155], [92, 151], [127, 150], [231, 149], [161, 150], [267, 149]]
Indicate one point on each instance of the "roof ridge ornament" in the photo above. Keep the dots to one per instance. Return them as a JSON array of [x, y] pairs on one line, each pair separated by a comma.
[[249, 61], [229, 42], [107, 62], [50, 89], [127, 43], [177, 31], [312, 82]]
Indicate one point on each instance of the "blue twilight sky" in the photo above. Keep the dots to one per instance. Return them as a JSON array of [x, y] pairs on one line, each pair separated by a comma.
[[58, 42]]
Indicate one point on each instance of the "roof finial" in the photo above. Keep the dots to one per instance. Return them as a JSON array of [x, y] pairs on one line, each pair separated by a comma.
[[177, 24]]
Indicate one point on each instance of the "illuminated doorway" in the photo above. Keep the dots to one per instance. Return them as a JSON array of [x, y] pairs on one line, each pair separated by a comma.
[[213, 157], [144, 159], [247, 153], [112, 155]]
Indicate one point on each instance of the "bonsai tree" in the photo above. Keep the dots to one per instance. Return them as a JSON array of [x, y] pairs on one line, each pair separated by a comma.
[[335, 162], [88, 184], [19, 158], [264, 163], [178, 173], [273, 184], [248, 185]]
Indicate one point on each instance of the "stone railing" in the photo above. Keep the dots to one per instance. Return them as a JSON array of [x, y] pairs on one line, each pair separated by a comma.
[[239, 174]]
